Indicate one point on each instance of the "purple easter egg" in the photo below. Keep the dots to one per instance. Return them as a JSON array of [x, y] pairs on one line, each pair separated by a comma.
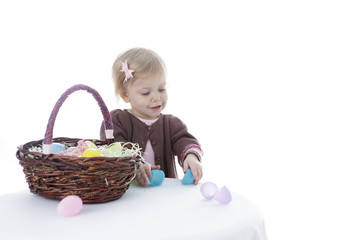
[[208, 190], [223, 196]]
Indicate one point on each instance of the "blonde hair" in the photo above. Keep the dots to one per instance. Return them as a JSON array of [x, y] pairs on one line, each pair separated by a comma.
[[143, 61]]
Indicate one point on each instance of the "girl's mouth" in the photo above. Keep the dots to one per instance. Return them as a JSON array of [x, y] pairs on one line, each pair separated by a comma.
[[156, 108]]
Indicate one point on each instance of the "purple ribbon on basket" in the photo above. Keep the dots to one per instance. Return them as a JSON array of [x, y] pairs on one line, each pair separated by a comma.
[[48, 139]]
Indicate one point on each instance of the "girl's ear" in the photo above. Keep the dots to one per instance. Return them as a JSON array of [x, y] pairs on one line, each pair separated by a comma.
[[125, 96]]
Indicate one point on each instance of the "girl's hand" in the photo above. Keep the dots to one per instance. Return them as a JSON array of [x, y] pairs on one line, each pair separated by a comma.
[[191, 161], [143, 172]]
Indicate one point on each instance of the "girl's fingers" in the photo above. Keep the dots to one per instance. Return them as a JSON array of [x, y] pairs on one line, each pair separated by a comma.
[[197, 174], [155, 167], [145, 180], [200, 173], [148, 172], [185, 168], [141, 176]]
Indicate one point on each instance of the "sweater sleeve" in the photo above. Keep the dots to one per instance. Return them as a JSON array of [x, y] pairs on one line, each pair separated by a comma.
[[182, 141]]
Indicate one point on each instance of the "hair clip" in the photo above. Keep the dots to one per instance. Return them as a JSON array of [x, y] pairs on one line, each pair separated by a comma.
[[128, 72]]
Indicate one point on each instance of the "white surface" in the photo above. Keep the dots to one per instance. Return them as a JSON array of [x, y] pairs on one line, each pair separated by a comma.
[[170, 211]]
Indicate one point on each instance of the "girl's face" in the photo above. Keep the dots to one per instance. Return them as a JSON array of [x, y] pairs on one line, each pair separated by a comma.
[[147, 96]]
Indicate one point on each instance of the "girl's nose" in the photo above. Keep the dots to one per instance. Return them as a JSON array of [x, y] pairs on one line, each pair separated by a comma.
[[156, 97]]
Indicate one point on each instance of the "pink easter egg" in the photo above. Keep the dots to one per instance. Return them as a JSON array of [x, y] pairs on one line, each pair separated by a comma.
[[223, 196], [70, 149], [70, 206], [208, 190]]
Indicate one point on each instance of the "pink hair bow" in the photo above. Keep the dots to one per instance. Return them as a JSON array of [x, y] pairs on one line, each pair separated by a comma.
[[128, 72]]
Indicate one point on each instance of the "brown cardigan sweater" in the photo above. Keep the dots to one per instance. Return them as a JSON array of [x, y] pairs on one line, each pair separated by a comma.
[[168, 136]]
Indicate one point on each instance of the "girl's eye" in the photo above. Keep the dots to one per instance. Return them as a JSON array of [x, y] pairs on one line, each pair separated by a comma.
[[145, 93], [162, 90]]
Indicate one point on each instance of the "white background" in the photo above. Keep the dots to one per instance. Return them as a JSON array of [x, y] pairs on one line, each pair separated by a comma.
[[270, 88]]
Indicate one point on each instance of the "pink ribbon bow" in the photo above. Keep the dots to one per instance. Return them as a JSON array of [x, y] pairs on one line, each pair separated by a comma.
[[128, 72]]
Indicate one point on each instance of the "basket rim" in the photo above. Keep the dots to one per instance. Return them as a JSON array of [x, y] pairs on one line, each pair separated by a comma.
[[39, 158]]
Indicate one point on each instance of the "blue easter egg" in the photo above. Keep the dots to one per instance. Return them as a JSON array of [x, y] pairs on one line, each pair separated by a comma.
[[56, 147], [188, 178], [158, 177]]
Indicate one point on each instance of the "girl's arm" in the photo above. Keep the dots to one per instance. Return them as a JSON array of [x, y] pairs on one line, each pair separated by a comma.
[[186, 147]]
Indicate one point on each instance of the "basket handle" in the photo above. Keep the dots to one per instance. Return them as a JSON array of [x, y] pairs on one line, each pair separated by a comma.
[[109, 127]]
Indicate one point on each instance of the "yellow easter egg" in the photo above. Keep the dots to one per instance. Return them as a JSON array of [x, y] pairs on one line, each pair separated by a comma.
[[90, 144], [91, 152]]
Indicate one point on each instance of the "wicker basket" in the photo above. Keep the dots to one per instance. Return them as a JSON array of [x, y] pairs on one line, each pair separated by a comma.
[[57, 176]]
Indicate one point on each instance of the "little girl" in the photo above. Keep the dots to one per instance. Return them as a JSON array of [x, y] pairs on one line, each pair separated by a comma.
[[139, 77]]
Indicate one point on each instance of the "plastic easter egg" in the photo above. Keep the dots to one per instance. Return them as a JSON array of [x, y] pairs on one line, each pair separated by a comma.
[[188, 178], [91, 152], [116, 146], [73, 151], [57, 147], [158, 177], [90, 144], [70, 149], [70, 206], [208, 190], [114, 150], [223, 196]]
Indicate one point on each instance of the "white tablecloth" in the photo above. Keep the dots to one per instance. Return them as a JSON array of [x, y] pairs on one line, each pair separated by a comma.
[[171, 211]]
